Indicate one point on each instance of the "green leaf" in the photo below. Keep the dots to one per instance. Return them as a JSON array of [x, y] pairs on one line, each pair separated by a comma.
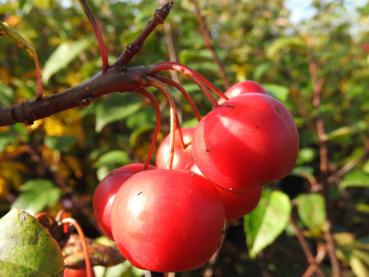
[[124, 269], [62, 56], [21, 42], [36, 195], [306, 155], [115, 108], [11, 269], [138, 132], [346, 131], [60, 143], [311, 209], [6, 95], [267, 221], [358, 267], [114, 157], [26, 246], [283, 43], [355, 178], [277, 91], [5, 140]]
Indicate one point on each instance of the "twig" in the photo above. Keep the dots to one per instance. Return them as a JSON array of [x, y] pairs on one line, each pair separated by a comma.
[[317, 84], [205, 33], [306, 249], [336, 269], [171, 47], [117, 78], [100, 40], [133, 48], [322, 251], [78, 96]]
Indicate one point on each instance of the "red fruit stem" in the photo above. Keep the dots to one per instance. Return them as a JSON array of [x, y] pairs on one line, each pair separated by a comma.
[[82, 237], [195, 76], [200, 84], [173, 116], [100, 40], [184, 93], [42, 215], [155, 105]]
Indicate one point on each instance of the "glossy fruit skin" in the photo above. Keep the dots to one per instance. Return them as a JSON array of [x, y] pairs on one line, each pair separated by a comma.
[[68, 272], [104, 194], [236, 205], [243, 87], [167, 220], [183, 158], [249, 140]]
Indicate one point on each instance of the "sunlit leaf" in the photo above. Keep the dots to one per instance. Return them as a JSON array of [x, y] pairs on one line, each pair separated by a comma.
[[311, 209], [284, 43], [26, 245], [114, 157], [36, 195], [346, 131], [267, 221], [62, 56], [358, 267], [355, 178], [277, 91], [21, 42], [306, 155]]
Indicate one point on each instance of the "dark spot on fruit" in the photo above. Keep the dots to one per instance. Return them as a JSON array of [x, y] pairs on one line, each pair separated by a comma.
[[207, 150], [277, 109], [139, 193], [227, 106]]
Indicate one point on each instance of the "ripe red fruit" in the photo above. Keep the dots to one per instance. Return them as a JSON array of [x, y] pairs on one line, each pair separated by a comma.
[[183, 158], [242, 87], [236, 205], [249, 140], [105, 194], [167, 220], [68, 272]]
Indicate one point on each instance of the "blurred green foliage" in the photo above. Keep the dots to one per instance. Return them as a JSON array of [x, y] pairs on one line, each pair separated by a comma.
[[255, 40]]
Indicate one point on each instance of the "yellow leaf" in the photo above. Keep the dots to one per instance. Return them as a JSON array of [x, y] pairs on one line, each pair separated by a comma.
[[3, 188], [53, 126]]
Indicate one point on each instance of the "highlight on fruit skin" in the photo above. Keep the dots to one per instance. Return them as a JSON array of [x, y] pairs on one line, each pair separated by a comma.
[[167, 220], [249, 140], [243, 87], [105, 191]]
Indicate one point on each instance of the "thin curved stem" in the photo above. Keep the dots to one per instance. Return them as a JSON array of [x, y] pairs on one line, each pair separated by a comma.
[[173, 116], [195, 76], [184, 93], [45, 215], [181, 140], [198, 82], [82, 237], [155, 105], [100, 40]]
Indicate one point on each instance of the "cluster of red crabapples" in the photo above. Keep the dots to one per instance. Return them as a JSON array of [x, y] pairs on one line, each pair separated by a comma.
[[171, 217]]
